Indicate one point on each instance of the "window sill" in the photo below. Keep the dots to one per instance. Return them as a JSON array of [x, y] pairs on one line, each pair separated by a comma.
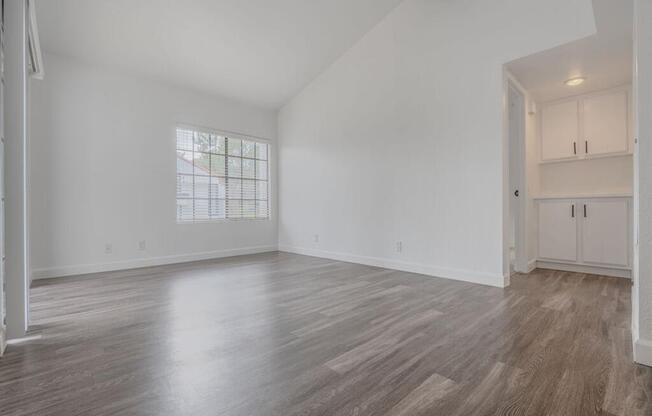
[[221, 221]]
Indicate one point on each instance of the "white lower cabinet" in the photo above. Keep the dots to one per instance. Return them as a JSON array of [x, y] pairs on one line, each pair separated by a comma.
[[558, 230], [605, 232], [589, 232]]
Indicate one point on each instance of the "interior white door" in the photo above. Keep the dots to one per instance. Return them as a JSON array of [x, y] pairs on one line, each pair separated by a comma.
[[558, 230], [605, 232], [559, 130], [605, 124], [516, 117]]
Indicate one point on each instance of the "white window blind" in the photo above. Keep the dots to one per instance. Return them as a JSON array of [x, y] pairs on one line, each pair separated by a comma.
[[221, 177]]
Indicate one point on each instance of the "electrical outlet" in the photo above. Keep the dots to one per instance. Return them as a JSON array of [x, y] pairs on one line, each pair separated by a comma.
[[399, 246], [142, 245], [316, 238], [108, 248]]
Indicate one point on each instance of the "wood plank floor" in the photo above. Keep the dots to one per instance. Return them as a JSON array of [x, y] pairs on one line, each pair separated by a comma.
[[281, 334]]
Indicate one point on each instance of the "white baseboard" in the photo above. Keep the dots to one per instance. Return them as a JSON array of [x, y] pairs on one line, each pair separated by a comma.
[[582, 268], [643, 352], [489, 279], [3, 340], [27, 338], [47, 273], [531, 265]]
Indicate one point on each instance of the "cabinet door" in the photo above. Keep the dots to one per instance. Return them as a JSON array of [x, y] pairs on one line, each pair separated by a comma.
[[558, 230], [559, 131], [605, 232], [605, 124]]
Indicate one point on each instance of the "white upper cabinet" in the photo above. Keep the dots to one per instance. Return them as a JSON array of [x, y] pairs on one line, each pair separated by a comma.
[[605, 232], [605, 122], [594, 125], [559, 130]]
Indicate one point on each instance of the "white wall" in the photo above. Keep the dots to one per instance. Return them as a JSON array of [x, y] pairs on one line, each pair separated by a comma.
[[402, 139], [595, 176], [103, 169], [642, 292]]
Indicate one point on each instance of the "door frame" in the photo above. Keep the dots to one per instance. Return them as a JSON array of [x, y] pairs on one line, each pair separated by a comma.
[[3, 329], [521, 241], [16, 230]]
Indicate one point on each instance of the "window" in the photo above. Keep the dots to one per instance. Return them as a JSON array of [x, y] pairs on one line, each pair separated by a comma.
[[221, 177]]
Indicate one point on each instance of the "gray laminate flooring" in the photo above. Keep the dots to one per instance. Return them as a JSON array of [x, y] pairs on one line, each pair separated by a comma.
[[282, 334]]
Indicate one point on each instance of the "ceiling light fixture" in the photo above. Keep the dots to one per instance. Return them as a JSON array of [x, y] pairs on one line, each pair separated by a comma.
[[574, 82]]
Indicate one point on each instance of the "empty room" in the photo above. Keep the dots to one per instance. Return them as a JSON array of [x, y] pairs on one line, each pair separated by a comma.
[[326, 207]]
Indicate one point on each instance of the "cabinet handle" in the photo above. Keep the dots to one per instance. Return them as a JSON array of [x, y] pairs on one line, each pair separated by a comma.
[[585, 216], [574, 148], [573, 211], [586, 146]]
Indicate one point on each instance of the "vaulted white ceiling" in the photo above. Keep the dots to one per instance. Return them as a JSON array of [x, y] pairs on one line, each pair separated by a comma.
[[256, 51], [605, 59]]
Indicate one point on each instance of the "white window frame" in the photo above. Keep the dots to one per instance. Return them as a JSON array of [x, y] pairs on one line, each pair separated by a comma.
[[231, 135]]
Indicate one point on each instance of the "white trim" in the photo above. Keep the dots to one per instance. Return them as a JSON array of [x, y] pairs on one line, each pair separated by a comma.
[[586, 157], [15, 166], [227, 133], [34, 44], [482, 278], [582, 268], [636, 184], [511, 78], [220, 220], [22, 340], [46, 273], [3, 340], [584, 196], [531, 265], [643, 352], [522, 243]]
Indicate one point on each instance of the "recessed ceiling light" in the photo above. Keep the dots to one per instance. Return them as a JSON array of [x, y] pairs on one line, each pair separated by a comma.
[[574, 82]]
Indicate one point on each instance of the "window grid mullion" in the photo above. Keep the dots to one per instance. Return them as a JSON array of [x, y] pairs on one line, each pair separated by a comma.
[[221, 176], [221, 154], [255, 183], [194, 135], [210, 188], [226, 173]]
